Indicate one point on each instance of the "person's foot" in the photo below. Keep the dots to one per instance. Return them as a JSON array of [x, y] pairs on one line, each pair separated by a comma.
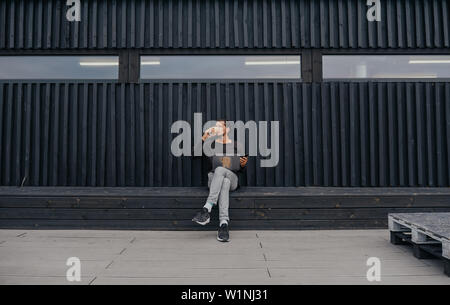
[[202, 217], [223, 234]]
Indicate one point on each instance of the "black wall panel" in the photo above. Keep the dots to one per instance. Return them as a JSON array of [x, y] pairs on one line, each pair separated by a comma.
[[42, 24], [367, 134]]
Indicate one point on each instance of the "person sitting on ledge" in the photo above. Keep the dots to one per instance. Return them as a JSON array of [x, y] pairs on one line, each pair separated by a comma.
[[226, 166]]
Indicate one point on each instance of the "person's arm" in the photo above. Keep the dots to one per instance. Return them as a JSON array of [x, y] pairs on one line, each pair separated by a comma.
[[243, 168], [244, 161], [208, 133]]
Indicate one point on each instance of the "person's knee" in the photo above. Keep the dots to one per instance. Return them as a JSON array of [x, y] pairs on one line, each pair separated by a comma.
[[226, 183], [220, 170]]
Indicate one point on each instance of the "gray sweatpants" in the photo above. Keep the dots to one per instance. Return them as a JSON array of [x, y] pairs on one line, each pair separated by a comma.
[[220, 183]]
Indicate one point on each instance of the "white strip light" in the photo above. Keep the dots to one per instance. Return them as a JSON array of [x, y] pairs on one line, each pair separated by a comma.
[[150, 63], [430, 61], [267, 63], [98, 63], [105, 64]]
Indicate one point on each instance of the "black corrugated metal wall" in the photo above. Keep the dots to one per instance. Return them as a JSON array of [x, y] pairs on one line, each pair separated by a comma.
[[41, 24], [333, 134]]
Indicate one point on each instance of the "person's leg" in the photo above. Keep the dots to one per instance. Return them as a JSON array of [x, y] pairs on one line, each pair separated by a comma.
[[215, 181], [229, 184], [215, 186], [210, 177], [224, 202], [202, 217]]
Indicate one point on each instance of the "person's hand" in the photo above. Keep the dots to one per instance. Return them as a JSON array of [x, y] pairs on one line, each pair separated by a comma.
[[244, 161], [209, 132]]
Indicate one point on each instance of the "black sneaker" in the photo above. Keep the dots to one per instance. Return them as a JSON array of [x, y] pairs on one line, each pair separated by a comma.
[[202, 217], [223, 234]]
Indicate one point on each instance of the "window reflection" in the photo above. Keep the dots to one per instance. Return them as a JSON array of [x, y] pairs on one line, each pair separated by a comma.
[[59, 67], [386, 66], [220, 67]]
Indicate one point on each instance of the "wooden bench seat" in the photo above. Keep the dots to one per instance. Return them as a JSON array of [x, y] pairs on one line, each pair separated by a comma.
[[173, 208]]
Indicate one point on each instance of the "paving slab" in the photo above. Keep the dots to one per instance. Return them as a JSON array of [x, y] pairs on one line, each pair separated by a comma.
[[42, 280], [358, 270], [182, 281], [42, 268], [196, 257]]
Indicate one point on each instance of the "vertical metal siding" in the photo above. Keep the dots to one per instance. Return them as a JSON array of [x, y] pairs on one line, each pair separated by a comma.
[[332, 134], [41, 24]]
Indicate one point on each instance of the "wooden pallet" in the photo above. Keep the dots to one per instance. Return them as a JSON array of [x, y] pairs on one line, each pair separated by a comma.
[[428, 233]]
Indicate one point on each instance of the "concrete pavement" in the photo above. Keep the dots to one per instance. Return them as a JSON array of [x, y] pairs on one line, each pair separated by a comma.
[[169, 257]]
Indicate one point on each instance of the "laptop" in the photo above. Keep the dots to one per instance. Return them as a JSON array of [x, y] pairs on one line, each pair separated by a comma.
[[232, 163]]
